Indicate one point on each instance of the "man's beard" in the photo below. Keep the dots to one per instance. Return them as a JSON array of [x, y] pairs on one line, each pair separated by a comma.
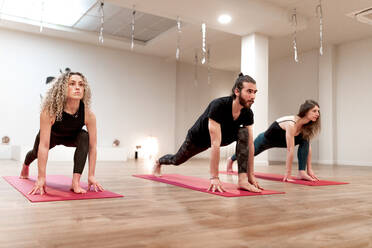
[[245, 104]]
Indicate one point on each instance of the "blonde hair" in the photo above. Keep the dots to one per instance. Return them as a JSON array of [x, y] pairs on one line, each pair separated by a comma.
[[56, 97], [312, 128]]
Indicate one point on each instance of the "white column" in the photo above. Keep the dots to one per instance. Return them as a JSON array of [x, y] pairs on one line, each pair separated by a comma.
[[327, 102], [255, 62]]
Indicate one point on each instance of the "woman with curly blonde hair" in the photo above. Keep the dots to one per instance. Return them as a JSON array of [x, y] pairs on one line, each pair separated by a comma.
[[64, 112], [287, 132]]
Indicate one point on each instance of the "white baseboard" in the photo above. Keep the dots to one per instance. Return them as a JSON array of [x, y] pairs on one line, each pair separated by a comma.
[[62, 153], [332, 162], [353, 163], [327, 162]]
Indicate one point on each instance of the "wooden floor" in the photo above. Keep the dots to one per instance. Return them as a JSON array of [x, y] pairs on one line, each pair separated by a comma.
[[154, 214]]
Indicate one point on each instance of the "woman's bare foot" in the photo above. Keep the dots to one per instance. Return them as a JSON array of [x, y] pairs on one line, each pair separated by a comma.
[[156, 171], [229, 165], [304, 176], [77, 189], [75, 186], [248, 187], [24, 172]]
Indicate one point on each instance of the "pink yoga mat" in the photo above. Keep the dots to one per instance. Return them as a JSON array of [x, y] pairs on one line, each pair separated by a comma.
[[58, 189], [202, 185], [277, 177]]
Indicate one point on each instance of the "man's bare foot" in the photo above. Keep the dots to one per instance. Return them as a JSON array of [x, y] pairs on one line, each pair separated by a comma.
[[156, 171], [229, 165], [24, 172], [77, 189], [252, 180], [304, 176], [244, 185]]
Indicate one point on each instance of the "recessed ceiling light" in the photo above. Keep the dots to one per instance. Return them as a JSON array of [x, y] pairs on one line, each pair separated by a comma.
[[224, 19]]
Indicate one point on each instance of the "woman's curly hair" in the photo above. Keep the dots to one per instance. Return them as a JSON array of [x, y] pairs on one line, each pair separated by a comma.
[[55, 99]]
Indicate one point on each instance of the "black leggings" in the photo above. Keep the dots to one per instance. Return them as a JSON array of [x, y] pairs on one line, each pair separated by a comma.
[[188, 149], [261, 143], [80, 141]]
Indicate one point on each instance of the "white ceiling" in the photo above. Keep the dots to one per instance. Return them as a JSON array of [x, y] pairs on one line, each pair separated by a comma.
[[338, 28], [268, 17]]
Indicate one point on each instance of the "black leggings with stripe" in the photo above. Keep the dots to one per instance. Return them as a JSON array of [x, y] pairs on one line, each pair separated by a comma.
[[188, 149]]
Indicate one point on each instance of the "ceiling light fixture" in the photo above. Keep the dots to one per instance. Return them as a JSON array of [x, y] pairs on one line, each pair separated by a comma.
[[224, 19]]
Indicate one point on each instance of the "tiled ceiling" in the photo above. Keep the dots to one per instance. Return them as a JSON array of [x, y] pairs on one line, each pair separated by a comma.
[[118, 22]]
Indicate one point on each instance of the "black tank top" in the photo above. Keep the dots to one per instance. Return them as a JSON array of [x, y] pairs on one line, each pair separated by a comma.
[[277, 134], [70, 125]]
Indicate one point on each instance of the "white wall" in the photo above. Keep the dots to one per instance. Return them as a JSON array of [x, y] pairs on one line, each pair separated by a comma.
[[193, 99], [133, 95], [290, 84], [354, 102], [347, 71]]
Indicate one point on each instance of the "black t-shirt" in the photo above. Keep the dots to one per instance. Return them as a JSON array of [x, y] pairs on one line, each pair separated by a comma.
[[220, 110]]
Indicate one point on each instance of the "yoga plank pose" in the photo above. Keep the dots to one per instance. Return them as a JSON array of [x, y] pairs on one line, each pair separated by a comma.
[[287, 132], [226, 119]]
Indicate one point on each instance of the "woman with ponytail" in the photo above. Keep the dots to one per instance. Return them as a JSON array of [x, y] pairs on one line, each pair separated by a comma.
[[287, 132]]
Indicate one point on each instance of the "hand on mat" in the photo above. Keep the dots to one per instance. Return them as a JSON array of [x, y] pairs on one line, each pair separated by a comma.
[[38, 186], [96, 186], [216, 185], [312, 175]]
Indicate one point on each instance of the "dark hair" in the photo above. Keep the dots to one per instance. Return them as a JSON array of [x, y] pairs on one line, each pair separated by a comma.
[[51, 79], [312, 128], [239, 83], [67, 70]]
